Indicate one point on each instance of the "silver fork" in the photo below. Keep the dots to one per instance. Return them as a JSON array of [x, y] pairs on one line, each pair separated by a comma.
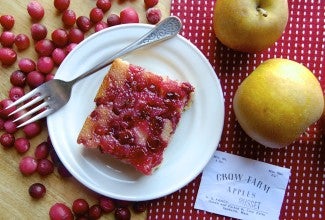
[[52, 95]]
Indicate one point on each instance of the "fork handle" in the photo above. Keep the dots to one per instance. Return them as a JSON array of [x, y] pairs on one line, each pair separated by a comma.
[[166, 29]]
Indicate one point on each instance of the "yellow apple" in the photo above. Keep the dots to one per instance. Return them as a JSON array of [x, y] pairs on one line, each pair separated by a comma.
[[249, 25], [278, 101]]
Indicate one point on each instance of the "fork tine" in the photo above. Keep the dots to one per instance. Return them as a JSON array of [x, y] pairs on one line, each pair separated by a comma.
[[37, 117], [30, 103], [24, 98], [32, 111]]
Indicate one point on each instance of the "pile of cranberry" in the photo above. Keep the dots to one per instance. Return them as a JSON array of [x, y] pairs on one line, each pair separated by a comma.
[[51, 52]]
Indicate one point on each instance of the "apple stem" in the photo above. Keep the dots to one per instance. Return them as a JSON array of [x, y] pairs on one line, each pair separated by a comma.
[[262, 11]]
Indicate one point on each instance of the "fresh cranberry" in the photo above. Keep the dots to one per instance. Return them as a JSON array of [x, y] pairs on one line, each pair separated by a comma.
[[70, 47], [150, 3], [38, 31], [129, 15], [58, 55], [95, 212], [7, 56], [69, 17], [26, 65], [22, 41], [75, 35], [18, 78], [139, 207], [96, 15], [10, 126], [42, 150], [45, 167], [113, 19], [32, 129], [49, 77], [7, 140], [84, 23], [37, 190], [101, 25], [105, 5], [153, 15], [106, 204], [7, 38], [16, 92], [4, 111], [60, 37], [44, 47], [60, 211], [22, 145], [27, 165], [122, 213], [35, 10], [61, 5], [35, 78], [45, 65], [80, 207], [2, 122], [7, 21]]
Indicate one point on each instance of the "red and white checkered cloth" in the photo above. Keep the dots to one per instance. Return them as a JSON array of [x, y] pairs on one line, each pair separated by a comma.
[[304, 42]]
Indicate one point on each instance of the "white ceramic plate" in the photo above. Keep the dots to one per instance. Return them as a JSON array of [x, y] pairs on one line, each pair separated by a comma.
[[195, 139]]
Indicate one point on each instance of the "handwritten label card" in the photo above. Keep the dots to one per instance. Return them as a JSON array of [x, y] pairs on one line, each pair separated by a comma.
[[242, 188]]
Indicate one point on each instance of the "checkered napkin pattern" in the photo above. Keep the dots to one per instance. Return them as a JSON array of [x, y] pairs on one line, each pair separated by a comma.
[[302, 41]]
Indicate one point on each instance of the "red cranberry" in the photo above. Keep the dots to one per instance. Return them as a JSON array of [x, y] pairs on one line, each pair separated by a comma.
[[80, 207], [122, 203], [69, 17], [35, 10], [10, 127], [22, 41], [7, 56], [44, 47], [32, 129], [58, 55], [27, 165], [26, 65], [18, 78], [7, 21], [42, 151], [150, 3], [7, 38], [106, 204], [105, 5], [60, 211], [153, 15], [122, 213], [60, 37], [75, 35], [37, 190], [38, 31], [100, 26], [2, 122], [95, 212], [83, 23], [61, 5], [49, 77], [45, 65], [96, 15], [35, 79], [129, 15], [4, 112], [7, 140], [70, 47], [139, 207], [22, 145], [16, 92], [45, 167], [113, 19]]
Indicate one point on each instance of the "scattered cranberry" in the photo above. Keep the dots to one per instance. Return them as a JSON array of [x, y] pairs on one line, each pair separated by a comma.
[[26, 65], [7, 21], [70, 47], [58, 55], [2, 122], [22, 41], [150, 3], [96, 15], [42, 151], [45, 65], [32, 129], [10, 126], [153, 15], [37, 190], [101, 25], [49, 77], [27, 165], [18, 78], [45, 167], [16, 92], [35, 10], [7, 38], [139, 207], [7, 140], [38, 31], [61, 5], [7, 56], [75, 35], [105, 5], [80, 207], [22, 145], [60, 211], [44, 47], [95, 212], [60, 37], [83, 23], [4, 112], [113, 19], [69, 17], [122, 213], [106, 204], [34, 79], [129, 15]]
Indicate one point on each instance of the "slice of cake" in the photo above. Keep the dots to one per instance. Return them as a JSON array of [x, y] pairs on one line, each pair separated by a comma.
[[135, 116]]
